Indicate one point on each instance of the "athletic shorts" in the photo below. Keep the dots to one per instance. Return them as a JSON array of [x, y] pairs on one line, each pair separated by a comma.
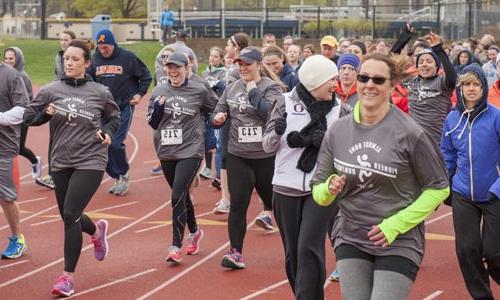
[[394, 263], [9, 178]]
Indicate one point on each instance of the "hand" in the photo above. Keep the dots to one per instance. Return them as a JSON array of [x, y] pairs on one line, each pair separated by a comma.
[[251, 85], [376, 235], [136, 99], [317, 137], [434, 39], [104, 137], [280, 124], [51, 109], [409, 28], [336, 184], [220, 118], [295, 140], [161, 100]]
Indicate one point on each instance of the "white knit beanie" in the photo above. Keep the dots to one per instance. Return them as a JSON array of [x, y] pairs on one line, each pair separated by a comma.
[[316, 70]]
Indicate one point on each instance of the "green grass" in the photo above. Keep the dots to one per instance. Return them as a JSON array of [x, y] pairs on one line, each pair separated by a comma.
[[39, 56]]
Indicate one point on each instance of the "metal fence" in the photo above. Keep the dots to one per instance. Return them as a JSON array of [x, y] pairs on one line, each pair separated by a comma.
[[453, 19]]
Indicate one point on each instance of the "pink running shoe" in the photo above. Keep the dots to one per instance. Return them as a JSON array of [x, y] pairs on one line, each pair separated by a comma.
[[63, 286], [101, 242], [174, 255], [233, 260], [194, 239]]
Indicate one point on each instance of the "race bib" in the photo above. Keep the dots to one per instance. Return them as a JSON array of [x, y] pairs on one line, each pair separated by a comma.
[[250, 134], [171, 136]]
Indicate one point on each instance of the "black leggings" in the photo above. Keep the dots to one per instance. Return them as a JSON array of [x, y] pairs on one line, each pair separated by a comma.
[[242, 176], [74, 189], [179, 175], [23, 151]]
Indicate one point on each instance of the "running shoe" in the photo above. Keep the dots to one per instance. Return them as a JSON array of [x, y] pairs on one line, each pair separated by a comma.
[[122, 185], [157, 170], [63, 286], [264, 220], [45, 181], [101, 242], [335, 276], [193, 242], [222, 207], [17, 246], [233, 260], [174, 255], [36, 168], [206, 173], [216, 184]]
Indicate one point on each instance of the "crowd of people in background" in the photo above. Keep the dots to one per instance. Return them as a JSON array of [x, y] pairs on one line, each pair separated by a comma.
[[355, 140]]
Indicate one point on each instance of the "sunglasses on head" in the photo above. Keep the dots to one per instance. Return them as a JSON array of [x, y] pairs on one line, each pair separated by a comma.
[[379, 80]]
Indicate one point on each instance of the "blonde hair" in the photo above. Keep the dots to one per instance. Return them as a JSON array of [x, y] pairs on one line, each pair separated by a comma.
[[468, 77], [266, 72]]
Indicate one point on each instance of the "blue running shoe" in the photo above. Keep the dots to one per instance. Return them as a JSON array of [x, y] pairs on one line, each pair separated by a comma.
[[335, 276], [264, 220], [17, 246]]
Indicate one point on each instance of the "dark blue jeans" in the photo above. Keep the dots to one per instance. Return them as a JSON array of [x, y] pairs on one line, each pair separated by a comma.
[[117, 156]]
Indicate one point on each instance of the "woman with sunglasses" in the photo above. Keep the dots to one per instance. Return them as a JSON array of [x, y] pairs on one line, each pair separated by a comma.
[[83, 116], [295, 131], [387, 176], [247, 102], [176, 111], [430, 93], [471, 149]]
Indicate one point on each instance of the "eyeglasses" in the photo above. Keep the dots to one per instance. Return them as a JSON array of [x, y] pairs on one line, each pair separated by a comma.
[[378, 80], [164, 57]]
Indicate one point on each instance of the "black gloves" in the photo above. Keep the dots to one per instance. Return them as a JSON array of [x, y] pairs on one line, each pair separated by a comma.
[[297, 140], [280, 125], [317, 137]]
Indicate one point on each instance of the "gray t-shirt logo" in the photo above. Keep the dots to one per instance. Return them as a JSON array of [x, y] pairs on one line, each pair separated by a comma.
[[240, 101], [175, 106], [362, 161], [72, 108]]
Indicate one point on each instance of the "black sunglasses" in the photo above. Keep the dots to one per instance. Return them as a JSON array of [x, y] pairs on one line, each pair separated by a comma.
[[378, 80], [164, 56]]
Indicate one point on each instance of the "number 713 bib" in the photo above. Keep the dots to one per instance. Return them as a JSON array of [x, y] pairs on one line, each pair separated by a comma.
[[250, 134]]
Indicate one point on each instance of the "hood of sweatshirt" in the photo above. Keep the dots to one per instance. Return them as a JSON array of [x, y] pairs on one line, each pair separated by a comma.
[[19, 58]]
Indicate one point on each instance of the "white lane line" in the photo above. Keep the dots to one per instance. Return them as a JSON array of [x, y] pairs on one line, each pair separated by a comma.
[[112, 283], [189, 269], [92, 211], [434, 295], [14, 264], [146, 178], [164, 225], [265, 290], [57, 261], [438, 218], [151, 161], [31, 200], [32, 216]]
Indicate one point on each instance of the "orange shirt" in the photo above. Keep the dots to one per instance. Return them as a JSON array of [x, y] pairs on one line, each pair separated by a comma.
[[494, 95]]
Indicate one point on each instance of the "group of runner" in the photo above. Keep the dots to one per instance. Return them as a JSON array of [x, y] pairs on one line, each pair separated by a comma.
[[359, 143]]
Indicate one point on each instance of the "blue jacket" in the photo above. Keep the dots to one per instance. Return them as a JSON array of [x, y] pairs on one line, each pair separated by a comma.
[[123, 73], [167, 18], [289, 77], [471, 146]]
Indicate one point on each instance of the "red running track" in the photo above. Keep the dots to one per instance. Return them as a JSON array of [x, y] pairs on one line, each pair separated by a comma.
[[140, 234]]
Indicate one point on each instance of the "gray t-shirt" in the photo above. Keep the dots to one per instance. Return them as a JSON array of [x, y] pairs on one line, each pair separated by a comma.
[[12, 93], [80, 111], [247, 127], [181, 131], [387, 167], [429, 103]]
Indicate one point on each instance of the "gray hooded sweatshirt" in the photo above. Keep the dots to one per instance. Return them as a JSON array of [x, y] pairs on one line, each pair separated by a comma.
[[20, 67]]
